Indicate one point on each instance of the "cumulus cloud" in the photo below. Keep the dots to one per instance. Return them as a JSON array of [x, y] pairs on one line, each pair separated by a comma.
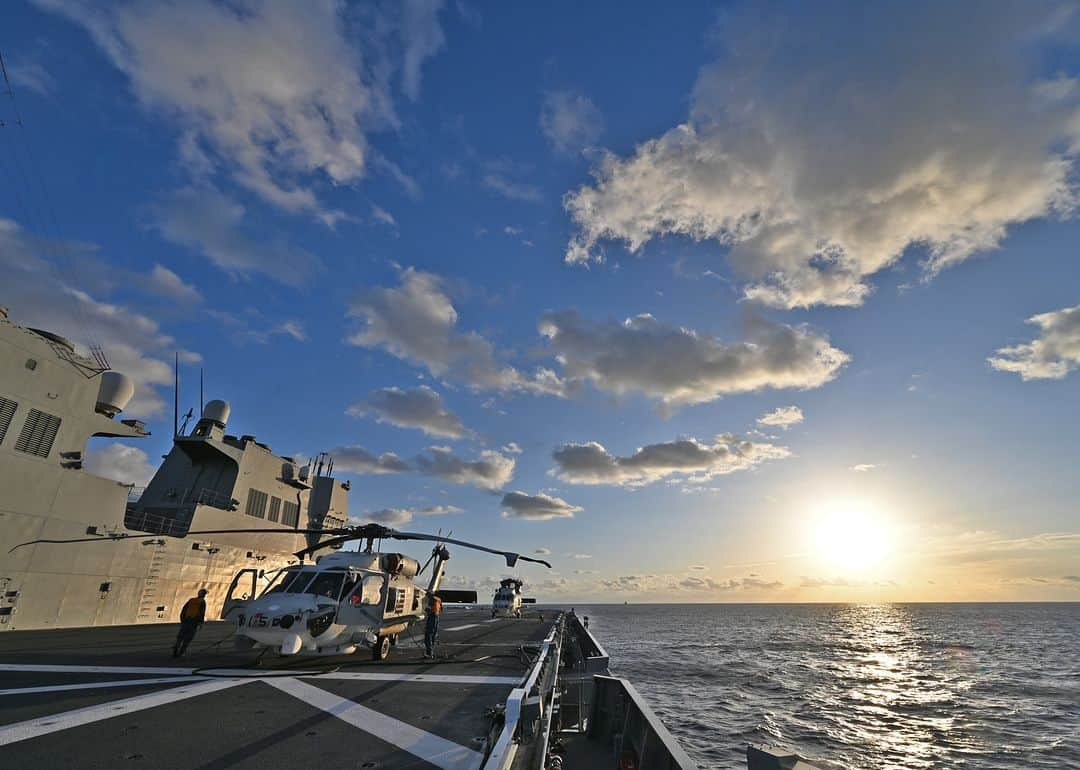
[[1051, 355], [538, 507], [120, 462], [38, 294], [817, 161], [491, 471], [782, 417], [418, 407], [416, 321], [211, 224], [570, 121], [355, 459], [694, 583], [165, 283], [685, 459], [678, 366], [863, 467], [542, 551], [394, 517], [279, 95]]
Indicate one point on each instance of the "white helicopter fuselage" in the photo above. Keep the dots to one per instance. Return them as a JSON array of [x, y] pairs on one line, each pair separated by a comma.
[[507, 603], [344, 601]]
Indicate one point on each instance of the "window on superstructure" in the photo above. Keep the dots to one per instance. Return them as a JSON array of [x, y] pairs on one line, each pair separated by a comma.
[[290, 513], [256, 503], [38, 433], [7, 411], [275, 509]]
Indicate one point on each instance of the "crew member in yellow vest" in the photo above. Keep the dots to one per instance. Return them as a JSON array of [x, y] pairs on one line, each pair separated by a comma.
[[431, 629], [191, 617]]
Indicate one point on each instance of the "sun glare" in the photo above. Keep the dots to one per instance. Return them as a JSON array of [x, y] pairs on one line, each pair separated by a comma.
[[852, 536]]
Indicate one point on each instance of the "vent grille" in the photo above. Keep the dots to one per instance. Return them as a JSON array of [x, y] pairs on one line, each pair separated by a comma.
[[290, 514], [275, 509], [7, 411], [38, 433], [256, 503]]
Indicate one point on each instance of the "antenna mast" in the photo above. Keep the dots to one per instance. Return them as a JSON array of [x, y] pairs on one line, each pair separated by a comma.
[[176, 396], [200, 393]]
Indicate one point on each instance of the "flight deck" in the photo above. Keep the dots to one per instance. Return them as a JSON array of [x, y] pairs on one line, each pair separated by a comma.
[[115, 697]]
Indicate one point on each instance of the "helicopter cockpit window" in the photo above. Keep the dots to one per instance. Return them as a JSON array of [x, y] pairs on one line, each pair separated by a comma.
[[300, 582], [282, 581], [327, 584]]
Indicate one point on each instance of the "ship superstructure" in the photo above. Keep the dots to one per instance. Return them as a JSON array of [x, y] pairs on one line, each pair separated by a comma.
[[53, 400]]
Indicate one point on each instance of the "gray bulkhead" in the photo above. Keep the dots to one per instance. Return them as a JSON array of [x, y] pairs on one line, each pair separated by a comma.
[[49, 410]]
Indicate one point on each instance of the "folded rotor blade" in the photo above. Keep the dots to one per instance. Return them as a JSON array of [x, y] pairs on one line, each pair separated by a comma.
[[109, 537], [510, 556]]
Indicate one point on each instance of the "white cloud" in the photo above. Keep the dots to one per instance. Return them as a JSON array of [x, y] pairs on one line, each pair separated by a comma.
[[491, 471], [165, 283], [542, 551], [570, 121], [417, 321], [393, 517], [782, 417], [210, 223], [538, 507], [32, 76], [679, 366], [863, 467], [355, 459], [580, 555], [38, 294], [280, 95], [419, 408], [693, 583], [687, 459], [507, 188], [1051, 355], [512, 448], [126, 464], [819, 163]]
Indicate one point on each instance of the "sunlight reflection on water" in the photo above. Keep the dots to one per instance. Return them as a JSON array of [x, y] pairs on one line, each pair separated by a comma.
[[859, 686]]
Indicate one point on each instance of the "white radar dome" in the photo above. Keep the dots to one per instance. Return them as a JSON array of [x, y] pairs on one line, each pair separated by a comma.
[[114, 393], [217, 411]]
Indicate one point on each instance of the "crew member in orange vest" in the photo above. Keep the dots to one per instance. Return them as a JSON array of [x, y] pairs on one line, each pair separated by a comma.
[[431, 630], [191, 617]]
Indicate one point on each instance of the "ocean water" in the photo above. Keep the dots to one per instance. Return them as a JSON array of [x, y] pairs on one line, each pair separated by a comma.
[[911, 686]]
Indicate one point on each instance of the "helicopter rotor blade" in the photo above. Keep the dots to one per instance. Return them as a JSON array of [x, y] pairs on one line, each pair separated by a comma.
[[112, 537], [511, 557]]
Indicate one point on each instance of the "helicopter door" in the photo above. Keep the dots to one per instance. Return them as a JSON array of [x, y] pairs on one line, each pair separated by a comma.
[[363, 605], [241, 591]]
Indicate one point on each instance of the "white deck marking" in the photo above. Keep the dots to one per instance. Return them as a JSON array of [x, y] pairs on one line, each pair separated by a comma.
[[48, 668], [33, 728], [95, 685], [427, 678], [431, 748], [462, 628]]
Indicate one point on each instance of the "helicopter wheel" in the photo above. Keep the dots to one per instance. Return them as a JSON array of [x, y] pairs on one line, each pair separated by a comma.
[[393, 640], [382, 648]]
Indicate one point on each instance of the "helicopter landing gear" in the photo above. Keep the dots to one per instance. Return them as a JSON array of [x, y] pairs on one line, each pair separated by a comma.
[[393, 640], [381, 650]]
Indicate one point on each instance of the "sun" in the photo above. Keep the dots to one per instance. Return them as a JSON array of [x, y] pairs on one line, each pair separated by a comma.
[[852, 536]]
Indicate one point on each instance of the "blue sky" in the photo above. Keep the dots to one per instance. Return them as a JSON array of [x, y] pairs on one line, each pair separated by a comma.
[[394, 227]]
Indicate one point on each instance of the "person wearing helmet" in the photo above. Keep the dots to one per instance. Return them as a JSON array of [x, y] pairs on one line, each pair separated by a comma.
[[192, 616]]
